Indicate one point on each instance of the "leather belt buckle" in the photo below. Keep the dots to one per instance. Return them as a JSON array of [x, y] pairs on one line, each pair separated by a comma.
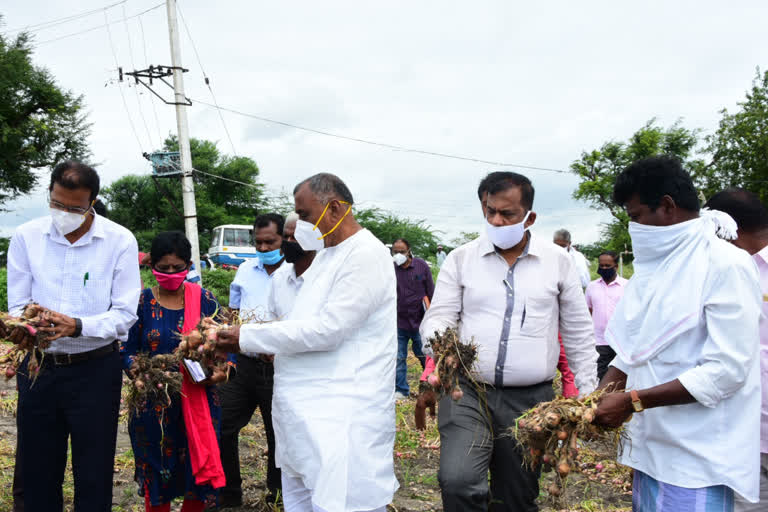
[[62, 359]]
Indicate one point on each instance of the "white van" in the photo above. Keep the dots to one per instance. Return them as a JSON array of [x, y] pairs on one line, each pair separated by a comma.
[[231, 244]]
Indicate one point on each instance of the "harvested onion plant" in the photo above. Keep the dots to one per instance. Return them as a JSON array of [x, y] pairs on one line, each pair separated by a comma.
[[550, 434], [453, 361], [156, 380], [200, 345], [12, 357]]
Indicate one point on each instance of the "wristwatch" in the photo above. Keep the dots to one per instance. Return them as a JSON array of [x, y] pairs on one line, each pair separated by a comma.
[[78, 328], [636, 403]]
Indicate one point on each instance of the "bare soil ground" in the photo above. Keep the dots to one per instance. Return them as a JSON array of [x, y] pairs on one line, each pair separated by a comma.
[[598, 484]]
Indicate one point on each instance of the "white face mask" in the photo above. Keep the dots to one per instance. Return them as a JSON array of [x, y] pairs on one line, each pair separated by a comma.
[[309, 238], [66, 222], [399, 259], [506, 237]]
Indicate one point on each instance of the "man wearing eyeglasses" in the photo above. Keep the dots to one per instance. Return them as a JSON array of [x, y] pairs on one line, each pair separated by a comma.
[[82, 269]]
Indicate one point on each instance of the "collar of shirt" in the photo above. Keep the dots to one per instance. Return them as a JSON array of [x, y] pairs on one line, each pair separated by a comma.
[[761, 255], [96, 231], [532, 247], [618, 281]]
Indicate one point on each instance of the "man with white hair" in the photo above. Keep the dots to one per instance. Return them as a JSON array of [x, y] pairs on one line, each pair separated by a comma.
[[335, 354], [562, 237]]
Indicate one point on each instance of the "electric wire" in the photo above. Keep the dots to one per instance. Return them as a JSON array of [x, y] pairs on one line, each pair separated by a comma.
[[59, 21], [206, 78], [135, 88], [151, 96], [119, 87], [382, 144], [106, 24]]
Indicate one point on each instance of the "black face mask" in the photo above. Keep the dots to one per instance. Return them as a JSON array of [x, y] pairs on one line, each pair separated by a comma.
[[292, 251], [607, 273]]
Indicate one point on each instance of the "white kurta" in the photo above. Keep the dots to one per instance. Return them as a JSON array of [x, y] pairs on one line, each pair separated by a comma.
[[715, 440], [333, 405]]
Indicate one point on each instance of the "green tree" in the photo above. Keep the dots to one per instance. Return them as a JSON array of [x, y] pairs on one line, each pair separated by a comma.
[[739, 147], [41, 124], [597, 170], [464, 238], [388, 227], [147, 206]]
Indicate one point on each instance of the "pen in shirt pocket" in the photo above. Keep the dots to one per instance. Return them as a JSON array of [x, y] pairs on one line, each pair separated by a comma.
[[522, 321], [512, 290], [85, 279]]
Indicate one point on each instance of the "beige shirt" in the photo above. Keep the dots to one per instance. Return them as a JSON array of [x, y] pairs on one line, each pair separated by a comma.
[[514, 313]]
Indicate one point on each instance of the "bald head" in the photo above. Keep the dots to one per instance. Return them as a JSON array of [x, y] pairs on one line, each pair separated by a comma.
[[326, 187]]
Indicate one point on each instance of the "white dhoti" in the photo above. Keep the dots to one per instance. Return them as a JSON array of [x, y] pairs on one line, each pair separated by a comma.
[[297, 498]]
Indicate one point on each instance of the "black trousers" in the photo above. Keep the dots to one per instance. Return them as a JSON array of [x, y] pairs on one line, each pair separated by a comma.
[[604, 360], [251, 387], [80, 403], [474, 440], [18, 485]]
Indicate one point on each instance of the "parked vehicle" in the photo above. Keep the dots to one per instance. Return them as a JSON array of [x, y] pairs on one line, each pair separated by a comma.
[[231, 244]]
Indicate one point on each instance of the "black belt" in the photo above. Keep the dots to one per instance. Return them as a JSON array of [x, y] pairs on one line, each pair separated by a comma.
[[69, 359]]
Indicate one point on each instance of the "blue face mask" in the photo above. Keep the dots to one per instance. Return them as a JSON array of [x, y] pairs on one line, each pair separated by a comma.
[[271, 257]]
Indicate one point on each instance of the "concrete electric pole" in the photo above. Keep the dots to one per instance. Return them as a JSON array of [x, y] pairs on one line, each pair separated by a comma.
[[187, 183]]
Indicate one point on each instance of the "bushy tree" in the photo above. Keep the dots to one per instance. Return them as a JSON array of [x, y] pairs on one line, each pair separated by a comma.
[[597, 171], [41, 124], [147, 206], [739, 147], [388, 227]]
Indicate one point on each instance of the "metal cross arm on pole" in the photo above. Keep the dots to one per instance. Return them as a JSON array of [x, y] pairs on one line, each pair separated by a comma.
[[153, 73]]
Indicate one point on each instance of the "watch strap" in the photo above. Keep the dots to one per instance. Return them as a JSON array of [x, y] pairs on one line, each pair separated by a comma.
[[637, 404], [78, 328]]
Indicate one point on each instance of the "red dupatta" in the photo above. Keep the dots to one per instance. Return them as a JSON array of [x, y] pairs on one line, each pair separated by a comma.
[[201, 437]]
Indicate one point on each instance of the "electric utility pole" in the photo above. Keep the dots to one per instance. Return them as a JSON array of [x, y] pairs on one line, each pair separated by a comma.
[[187, 183]]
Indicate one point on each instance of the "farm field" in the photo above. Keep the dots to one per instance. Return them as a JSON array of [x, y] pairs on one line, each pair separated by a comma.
[[597, 484]]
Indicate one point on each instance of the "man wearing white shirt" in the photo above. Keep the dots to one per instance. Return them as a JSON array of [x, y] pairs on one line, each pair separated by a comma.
[[752, 219], [686, 340], [335, 355], [510, 292], [83, 269], [562, 237], [252, 384], [287, 280]]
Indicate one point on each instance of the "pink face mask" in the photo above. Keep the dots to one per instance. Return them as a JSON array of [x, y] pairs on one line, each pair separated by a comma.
[[170, 282]]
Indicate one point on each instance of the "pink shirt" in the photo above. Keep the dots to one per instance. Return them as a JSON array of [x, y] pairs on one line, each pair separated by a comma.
[[761, 258], [602, 299]]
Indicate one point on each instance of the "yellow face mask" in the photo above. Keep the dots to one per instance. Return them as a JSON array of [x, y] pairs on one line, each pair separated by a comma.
[[337, 224]]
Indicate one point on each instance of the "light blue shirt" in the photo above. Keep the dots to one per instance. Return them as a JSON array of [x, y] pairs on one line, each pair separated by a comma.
[[193, 276], [249, 291]]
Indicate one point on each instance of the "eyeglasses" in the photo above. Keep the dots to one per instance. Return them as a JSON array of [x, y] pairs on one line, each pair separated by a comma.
[[71, 209]]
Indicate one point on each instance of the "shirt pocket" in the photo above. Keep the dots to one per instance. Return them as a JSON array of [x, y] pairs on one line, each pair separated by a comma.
[[97, 296], [535, 316]]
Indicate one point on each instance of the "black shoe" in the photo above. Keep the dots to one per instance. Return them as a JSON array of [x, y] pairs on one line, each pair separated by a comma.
[[230, 501]]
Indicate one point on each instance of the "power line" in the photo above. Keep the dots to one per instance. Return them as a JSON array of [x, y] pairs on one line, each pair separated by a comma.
[[205, 77], [119, 87], [59, 21], [151, 96], [383, 144], [135, 89], [106, 24]]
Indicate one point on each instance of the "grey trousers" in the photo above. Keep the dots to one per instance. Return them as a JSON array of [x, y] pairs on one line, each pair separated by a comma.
[[744, 506], [474, 440]]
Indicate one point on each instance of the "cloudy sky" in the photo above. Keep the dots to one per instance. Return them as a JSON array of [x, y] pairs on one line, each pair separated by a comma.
[[531, 83]]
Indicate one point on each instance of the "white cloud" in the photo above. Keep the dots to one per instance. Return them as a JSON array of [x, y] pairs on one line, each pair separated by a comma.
[[527, 83]]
